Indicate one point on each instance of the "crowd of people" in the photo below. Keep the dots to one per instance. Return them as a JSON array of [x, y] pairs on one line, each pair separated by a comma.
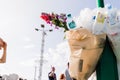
[[63, 76], [11, 78]]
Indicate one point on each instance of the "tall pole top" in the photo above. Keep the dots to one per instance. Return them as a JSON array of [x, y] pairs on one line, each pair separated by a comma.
[[100, 3]]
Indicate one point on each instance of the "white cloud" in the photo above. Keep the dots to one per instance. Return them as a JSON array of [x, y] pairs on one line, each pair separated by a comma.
[[60, 53], [27, 63], [29, 46], [27, 39]]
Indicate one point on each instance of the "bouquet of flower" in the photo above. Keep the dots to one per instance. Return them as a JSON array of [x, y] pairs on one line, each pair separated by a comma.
[[59, 20]]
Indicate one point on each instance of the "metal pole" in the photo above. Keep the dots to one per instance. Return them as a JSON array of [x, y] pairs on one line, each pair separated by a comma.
[[41, 57], [42, 49], [35, 73]]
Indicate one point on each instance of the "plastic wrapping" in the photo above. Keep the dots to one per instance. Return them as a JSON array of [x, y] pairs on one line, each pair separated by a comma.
[[113, 30], [99, 24], [102, 21], [95, 25], [84, 19], [86, 49]]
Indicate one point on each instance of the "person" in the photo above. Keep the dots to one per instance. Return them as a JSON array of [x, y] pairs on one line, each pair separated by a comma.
[[62, 77], [67, 75], [3, 46], [0, 77], [51, 74], [20, 79]]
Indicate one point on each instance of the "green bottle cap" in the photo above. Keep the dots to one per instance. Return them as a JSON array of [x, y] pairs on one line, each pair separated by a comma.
[[100, 3]]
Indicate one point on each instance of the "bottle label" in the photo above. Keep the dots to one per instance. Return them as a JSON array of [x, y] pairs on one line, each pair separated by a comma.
[[100, 18], [71, 25]]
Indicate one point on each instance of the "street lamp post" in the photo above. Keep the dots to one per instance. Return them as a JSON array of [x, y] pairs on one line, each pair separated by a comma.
[[35, 73], [42, 48]]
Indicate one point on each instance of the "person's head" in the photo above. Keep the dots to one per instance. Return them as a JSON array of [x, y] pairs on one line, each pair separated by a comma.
[[68, 64], [53, 69], [0, 77], [62, 77]]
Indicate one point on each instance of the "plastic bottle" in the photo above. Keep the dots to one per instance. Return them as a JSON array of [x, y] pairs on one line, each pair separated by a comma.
[[98, 25], [111, 14], [112, 20], [70, 22]]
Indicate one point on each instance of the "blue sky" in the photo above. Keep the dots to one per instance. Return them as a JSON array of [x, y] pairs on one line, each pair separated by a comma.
[[19, 18]]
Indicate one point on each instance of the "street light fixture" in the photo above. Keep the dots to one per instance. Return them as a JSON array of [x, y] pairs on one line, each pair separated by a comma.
[[42, 48]]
